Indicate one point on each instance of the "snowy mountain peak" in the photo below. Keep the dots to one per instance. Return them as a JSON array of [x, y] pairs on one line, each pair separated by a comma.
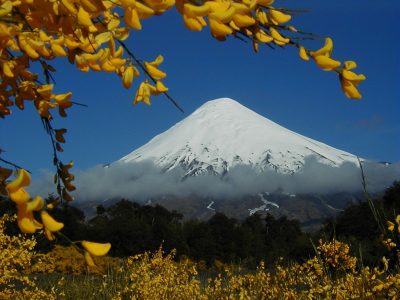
[[222, 134]]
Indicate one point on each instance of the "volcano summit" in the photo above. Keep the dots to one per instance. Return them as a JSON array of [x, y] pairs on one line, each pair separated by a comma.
[[222, 134]]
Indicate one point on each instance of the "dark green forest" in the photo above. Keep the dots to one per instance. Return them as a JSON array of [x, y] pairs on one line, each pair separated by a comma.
[[133, 228]]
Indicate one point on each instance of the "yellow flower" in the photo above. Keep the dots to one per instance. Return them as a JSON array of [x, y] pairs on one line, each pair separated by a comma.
[[96, 249], [219, 30], [161, 88], [349, 80], [84, 18], [143, 93], [397, 220], [385, 263], [35, 204], [49, 223], [15, 189], [25, 220], [326, 50], [326, 63], [303, 53], [127, 76], [154, 72], [390, 225], [279, 16]]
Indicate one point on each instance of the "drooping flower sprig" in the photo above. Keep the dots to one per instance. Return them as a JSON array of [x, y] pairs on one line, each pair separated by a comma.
[[27, 223]]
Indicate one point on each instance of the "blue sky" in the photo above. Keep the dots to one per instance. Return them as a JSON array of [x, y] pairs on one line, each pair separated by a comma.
[[274, 83]]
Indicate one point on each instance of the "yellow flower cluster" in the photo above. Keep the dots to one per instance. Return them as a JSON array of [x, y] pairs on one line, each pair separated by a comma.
[[68, 260], [86, 32], [348, 79], [16, 253], [90, 34], [26, 206], [159, 276], [28, 224], [335, 255], [392, 241]]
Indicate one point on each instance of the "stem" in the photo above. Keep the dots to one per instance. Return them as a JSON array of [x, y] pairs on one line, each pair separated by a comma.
[[12, 164]]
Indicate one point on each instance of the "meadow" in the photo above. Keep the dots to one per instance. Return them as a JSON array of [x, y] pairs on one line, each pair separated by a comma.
[[332, 273]]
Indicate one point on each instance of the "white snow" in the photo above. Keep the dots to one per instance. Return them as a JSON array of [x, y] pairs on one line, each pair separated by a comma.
[[263, 207], [209, 206], [223, 133], [266, 202]]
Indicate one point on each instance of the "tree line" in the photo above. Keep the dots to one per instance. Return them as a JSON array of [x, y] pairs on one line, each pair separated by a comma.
[[134, 228]]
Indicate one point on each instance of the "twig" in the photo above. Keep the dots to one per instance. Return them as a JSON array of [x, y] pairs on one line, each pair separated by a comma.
[[12, 164]]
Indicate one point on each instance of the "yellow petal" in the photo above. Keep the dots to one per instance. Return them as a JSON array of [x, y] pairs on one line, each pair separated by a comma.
[[193, 11], [303, 54], [23, 179], [35, 204], [390, 225], [89, 260], [349, 75], [159, 59], [326, 50], [143, 10], [93, 6], [25, 219], [349, 89], [19, 196], [103, 37], [52, 204], [223, 16], [154, 72], [5, 8], [263, 37], [219, 6], [243, 20], [265, 2], [161, 88], [64, 100], [131, 18], [8, 69], [349, 65], [96, 249], [84, 18], [50, 223], [279, 16], [397, 220], [57, 50], [326, 63], [127, 77], [192, 23], [278, 37], [219, 29]]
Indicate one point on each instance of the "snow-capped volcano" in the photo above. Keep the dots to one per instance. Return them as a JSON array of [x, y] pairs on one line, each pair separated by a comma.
[[222, 133]]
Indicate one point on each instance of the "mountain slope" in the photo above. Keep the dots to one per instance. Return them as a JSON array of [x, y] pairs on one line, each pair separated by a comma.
[[223, 133]]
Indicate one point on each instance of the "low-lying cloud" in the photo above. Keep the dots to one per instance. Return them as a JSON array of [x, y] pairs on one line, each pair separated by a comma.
[[144, 180]]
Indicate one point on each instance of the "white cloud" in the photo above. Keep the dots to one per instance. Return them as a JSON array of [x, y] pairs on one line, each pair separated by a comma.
[[144, 180]]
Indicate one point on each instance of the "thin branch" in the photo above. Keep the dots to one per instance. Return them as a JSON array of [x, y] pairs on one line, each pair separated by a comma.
[[12, 164]]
